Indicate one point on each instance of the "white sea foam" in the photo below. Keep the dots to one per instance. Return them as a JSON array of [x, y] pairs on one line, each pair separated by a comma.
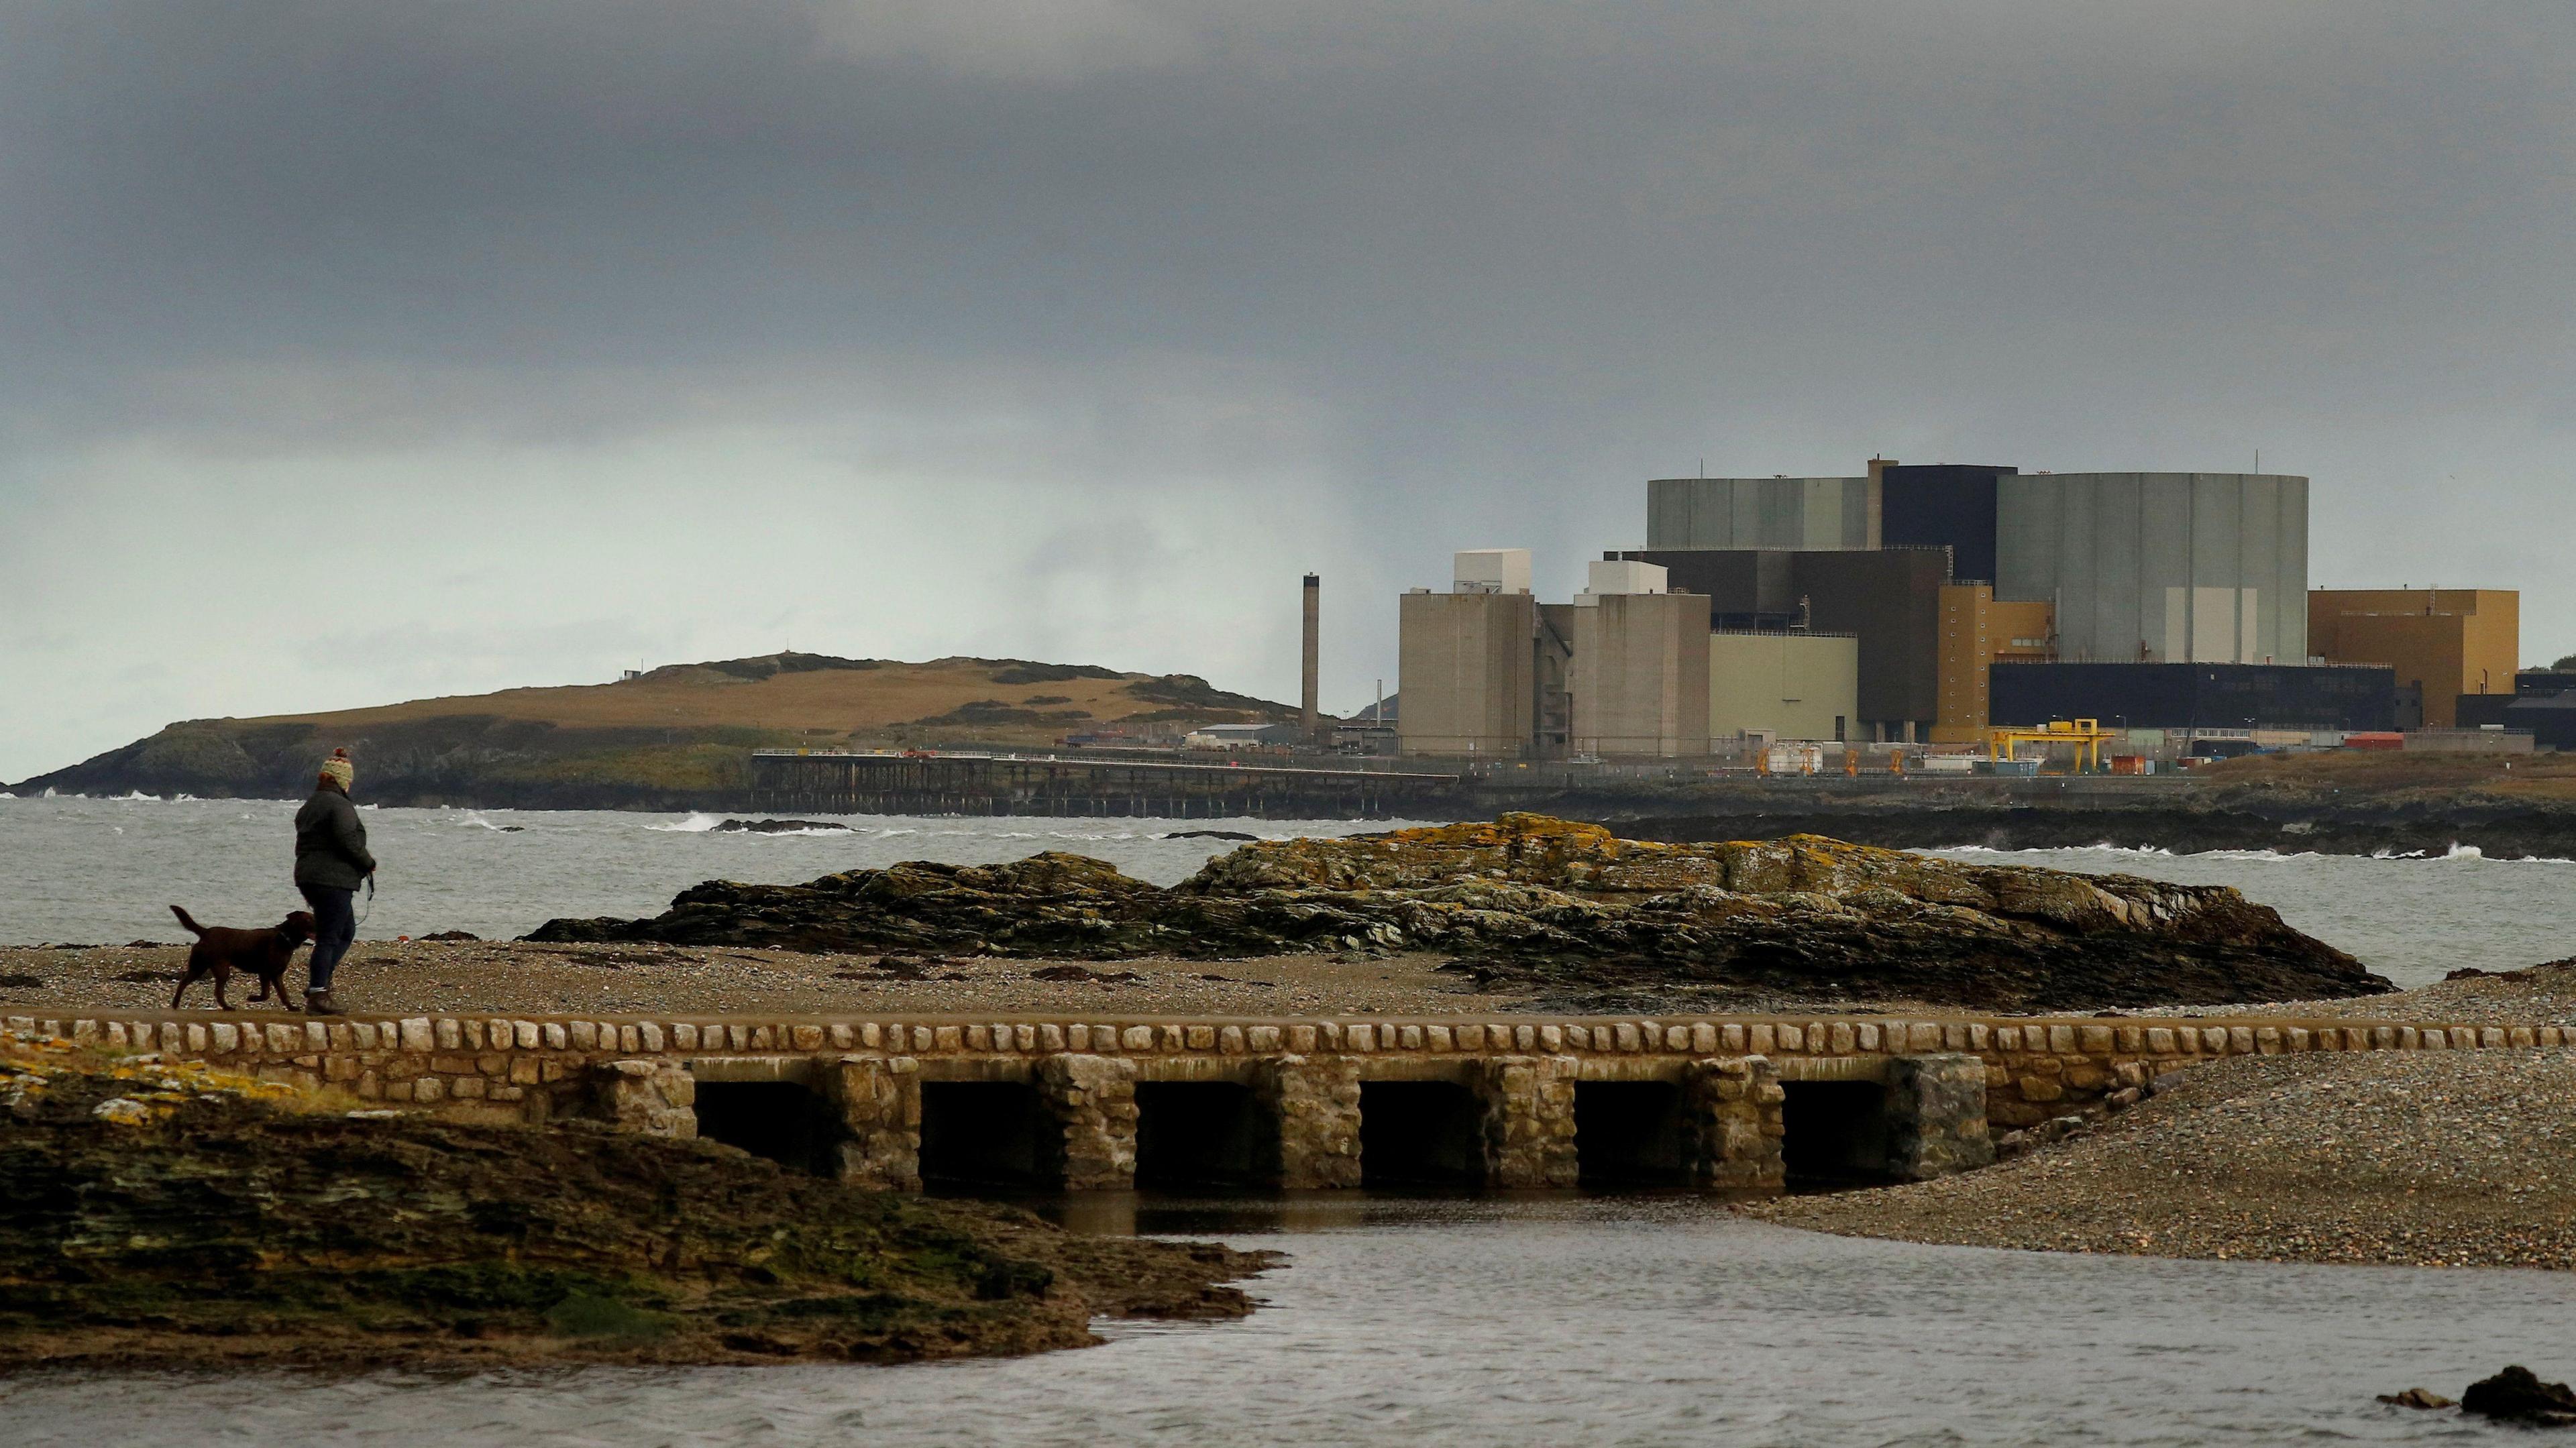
[[136, 795], [695, 824]]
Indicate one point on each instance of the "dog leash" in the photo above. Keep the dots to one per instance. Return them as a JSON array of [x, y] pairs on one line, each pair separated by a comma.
[[371, 901]]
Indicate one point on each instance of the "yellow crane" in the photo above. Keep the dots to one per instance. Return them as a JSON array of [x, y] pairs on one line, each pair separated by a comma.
[[2086, 735]]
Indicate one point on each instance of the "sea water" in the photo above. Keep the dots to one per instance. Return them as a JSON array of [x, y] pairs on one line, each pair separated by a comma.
[[100, 871]]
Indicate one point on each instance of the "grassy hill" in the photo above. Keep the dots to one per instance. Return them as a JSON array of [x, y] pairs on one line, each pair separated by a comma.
[[677, 737]]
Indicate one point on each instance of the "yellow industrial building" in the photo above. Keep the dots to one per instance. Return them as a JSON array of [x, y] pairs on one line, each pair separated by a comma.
[[1786, 685], [1977, 631], [2443, 642]]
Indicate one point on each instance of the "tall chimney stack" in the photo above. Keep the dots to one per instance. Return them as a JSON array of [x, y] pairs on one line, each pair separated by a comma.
[[1306, 694]]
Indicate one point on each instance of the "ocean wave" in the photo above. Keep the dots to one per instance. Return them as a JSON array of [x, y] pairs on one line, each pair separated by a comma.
[[695, 824], [136, 795]]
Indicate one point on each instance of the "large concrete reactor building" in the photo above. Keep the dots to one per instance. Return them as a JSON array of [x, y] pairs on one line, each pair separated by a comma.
[[1799, 513], [2159, 567]]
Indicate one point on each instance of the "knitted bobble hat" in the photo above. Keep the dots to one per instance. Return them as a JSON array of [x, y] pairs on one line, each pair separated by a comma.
[[339, 770]]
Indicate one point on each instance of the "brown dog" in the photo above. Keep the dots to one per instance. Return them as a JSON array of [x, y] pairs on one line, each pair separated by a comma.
[[221, 950]]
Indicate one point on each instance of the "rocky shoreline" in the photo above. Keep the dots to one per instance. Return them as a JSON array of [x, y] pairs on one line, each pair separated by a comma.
[[165, 1215], [1569, 915]]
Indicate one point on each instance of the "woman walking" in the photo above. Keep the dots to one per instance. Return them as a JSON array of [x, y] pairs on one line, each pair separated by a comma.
[[331, 860]]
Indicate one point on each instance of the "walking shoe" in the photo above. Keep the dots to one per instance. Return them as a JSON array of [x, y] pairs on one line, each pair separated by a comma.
[[319, 1003]]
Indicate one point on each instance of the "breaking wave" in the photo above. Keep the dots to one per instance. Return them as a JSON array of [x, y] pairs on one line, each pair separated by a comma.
[[695, 824]]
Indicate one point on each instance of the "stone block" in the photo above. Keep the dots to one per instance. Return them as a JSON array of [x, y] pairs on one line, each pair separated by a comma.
[[1436, 1038], [524, 1070], [1200, 1038], [1024, 1037], [1313, 1104], [2091, 1040], [1261, 1038], [1838, 1038], [979, 1038], [648, 1097], [1092, 1100], [449, 1032], [430, 1088], [2240, 1040], [227, 1037], [2297, 1039], [2039, 1088], [946, 1038], [2160, 1040], [1301, 1039], [1171, 1038], [1978, 1035], [2061, 1039], [2490, 1037], [466, 1088], [1526, 1107], [1730, 1038], [2008, 1038], [1578, 1038], [879, 1101], [1137, 1038], [629, 1038], [1936, 1116], [1760, 1039], [2130, 1039], [1545, 1038], [1866, 1036], [1408, 1038]]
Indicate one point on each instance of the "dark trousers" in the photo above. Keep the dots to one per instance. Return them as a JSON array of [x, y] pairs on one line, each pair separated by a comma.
[[335, 924]]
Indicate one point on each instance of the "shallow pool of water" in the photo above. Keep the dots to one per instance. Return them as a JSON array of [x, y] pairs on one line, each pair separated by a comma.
[[1555, 1320]]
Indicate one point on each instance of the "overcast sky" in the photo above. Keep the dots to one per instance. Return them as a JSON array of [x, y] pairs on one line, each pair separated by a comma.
[[356, 351]]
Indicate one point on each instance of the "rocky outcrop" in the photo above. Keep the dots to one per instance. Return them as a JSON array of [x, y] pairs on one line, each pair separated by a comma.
[[165, 1214], [2517, 1395], [1570, 912]]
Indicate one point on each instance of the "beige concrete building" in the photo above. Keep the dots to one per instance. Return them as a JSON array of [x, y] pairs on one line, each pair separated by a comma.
[[1786, 685], [2443, 642], [1640, 667], [1482, 668]]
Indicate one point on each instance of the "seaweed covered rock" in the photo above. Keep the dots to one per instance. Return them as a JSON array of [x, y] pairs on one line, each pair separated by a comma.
[[1570, 911], [164, 1214]]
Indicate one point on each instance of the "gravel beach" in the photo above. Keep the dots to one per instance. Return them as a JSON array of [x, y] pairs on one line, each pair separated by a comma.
[[437, 976], [2463, 1159]]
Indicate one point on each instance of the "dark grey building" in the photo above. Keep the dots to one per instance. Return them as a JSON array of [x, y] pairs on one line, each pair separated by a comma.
[[1942, 505], [1888, 598], [2344, 697]]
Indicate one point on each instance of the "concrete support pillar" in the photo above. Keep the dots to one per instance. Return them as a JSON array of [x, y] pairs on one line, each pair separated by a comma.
[[1315, 1106], [650, 1098], [1936, 1116], [1735, 1124], [1093, 1101], [879, 1098], [1529, 1120]]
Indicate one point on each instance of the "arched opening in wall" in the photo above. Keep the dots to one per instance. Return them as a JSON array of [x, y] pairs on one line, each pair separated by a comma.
[[1834, 1133], [1197, 1134], [780, 1120], [1420, 1134], [985, 1134], [1629, 1134]]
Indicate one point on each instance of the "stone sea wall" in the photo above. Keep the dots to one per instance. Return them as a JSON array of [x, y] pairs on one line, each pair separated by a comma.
[[1948, 1081]]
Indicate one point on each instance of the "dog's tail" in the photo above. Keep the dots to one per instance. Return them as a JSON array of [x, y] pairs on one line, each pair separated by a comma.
[[193, 927]]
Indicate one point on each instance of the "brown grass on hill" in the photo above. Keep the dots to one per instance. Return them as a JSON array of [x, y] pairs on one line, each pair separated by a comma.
[[822, 699]]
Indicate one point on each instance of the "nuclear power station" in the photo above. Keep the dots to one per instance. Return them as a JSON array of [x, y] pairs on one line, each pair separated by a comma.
[[1928, 605]]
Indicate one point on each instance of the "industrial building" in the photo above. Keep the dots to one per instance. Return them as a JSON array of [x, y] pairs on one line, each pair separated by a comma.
[[1640, 665], [2160, 567], [1943, 505], [1802, 685], [2444, 643], [1977, 632], [2333, 698], [1888, 599], [1482, 667], [1799, 513]]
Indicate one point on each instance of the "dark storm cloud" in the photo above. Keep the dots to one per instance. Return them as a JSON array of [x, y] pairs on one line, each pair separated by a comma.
[[1431, 275]]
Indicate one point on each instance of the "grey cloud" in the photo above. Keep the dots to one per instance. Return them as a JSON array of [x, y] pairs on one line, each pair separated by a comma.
[[1393, 278]]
